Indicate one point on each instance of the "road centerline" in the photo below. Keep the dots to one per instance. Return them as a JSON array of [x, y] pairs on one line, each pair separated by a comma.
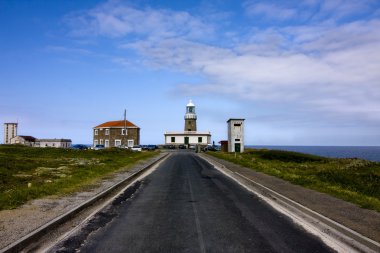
[[196, 217]]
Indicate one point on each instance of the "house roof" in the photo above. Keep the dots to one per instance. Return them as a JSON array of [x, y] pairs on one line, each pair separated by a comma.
[[54, 140], [27, 137], [118, 123], [235, 119]]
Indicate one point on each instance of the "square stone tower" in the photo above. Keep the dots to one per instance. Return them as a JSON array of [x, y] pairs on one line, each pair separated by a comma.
[[10, 131], [236, 135]]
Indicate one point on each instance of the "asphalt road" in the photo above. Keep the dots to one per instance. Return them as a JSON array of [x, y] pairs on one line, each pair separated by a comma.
[[185, 205]]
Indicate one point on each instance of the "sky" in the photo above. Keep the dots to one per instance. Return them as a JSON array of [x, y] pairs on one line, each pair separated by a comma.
[[303, 72]]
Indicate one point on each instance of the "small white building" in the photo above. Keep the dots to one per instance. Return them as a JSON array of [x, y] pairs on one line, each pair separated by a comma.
[[24, 140], [54, 143], [10, 131], [190, 135], [236, 135]]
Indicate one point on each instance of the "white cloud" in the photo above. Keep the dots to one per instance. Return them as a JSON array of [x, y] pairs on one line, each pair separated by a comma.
[[317, 67], [117, 19], [307, 10], [269, 11], [340, 79]]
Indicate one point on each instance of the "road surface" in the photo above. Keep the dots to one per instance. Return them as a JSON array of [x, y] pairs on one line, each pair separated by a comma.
[[186, 205]]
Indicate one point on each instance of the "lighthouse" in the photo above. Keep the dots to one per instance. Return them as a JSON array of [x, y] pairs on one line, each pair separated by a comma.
[[190, 137], [190, 117]]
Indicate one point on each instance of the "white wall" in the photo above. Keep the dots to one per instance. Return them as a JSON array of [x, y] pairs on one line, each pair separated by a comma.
[[234, 133], [55, 144], [193, 139]]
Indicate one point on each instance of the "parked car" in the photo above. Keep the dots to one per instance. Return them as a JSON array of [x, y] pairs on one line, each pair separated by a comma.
[[136, 148], [152, 147], [192, 146], [181, 146], [99, 147], [211, 148], [79, 146], [169, 147]]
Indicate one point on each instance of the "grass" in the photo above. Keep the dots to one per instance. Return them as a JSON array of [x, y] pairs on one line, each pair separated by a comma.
[[354, 180], [28, 173]]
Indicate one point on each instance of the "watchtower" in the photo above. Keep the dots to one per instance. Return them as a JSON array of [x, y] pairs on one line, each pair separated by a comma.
[[190, 117], [236, 135], [10, 131]]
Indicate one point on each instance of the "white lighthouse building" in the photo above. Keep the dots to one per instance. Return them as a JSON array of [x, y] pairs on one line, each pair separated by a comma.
[[190, 135]]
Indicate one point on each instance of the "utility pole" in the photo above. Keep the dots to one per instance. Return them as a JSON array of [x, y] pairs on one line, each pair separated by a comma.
[[125, 128]]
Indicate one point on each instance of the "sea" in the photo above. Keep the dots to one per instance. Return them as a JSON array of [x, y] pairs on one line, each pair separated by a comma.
[[371, 153]]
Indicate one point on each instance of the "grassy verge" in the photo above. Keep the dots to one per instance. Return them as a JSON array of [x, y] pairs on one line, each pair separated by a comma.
[[29, 173], [354, 180]]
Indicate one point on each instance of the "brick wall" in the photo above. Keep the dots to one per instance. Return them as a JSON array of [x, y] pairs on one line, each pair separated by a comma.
[[116, 134]]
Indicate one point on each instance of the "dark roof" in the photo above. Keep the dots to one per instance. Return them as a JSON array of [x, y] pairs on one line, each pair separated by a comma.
[[118, 123], [27, 138], [54, 140], [235, 119]]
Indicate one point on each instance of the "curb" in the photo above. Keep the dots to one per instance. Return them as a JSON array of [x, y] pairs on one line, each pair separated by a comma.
[[20, 244], [348, 236]]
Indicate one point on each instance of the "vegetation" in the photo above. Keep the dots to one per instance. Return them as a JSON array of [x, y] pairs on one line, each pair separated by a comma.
[[354, 180], [28, 173]]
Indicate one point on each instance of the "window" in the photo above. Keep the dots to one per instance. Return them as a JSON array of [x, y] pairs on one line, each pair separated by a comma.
[[122, 131], [96, 131], [237, 139], [237, 125], [130, 143], [107, 132], [199, 139], [172, 139], [95, 142], [101, 141], [117, 143], [106, 143]]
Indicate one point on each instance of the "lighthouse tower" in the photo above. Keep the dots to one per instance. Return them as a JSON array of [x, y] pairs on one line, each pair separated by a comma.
[[190, 117]]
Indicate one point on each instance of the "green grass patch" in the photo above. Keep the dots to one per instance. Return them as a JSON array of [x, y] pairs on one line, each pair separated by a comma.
[[28, 173], [354, 180]]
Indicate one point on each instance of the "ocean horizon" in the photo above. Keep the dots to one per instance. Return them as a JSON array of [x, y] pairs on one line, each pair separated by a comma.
[[371, 153]]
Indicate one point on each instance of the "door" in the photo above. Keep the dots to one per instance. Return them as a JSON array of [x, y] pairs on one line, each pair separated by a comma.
[[237, 147], [186, 140]]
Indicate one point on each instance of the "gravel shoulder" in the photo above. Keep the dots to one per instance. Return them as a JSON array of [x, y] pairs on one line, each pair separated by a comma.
[[363, 221], [16, 223]]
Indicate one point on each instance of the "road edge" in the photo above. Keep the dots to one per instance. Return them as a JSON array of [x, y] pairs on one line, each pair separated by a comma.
[[26, 240], [325, 228]]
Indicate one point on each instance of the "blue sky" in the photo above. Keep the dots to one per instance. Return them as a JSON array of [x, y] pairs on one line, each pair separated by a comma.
[[300, 72]]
